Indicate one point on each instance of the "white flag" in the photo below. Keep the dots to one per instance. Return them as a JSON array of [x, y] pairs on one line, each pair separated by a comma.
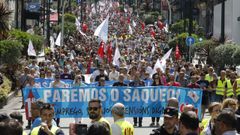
[[116, 57], [167, 55], [166, 28], [71, 56], [42, 53], [157, 65], [31, 51], [77, 23], [134, 24], [102, 30], [162, 63], [52, 43], [153, 49], [78, 26], [130, 29], [58, 40]]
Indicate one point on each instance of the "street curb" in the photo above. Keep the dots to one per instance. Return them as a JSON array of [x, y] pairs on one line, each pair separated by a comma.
[[11, 95]]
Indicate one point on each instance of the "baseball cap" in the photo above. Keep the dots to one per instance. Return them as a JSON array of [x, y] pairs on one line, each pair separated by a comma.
[[170, 112]]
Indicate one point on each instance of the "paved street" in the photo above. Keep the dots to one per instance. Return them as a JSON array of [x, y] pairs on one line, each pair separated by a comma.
[[15, 105]]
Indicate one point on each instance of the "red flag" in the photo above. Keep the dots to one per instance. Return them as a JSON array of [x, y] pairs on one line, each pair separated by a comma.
[[128, 20], [28, 102], [142, 25], [109, 52], [84, 28], [177, 53], [160, 24], [101, 50], [152, 32], [89, 66]]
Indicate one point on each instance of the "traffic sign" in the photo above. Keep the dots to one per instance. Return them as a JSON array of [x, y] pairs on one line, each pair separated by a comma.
[[190, 41]]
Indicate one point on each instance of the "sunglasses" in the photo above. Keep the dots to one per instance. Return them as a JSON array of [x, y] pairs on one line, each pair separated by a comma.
[[93, 108]]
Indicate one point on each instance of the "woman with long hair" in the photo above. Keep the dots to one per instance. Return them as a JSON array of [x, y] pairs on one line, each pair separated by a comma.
[[156, 82]]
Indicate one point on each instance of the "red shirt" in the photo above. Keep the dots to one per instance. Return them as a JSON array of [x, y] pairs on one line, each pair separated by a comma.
[[193, 85], [177, 84]]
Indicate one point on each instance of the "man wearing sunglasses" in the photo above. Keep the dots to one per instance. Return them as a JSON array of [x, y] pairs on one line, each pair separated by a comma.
[[95, 112]]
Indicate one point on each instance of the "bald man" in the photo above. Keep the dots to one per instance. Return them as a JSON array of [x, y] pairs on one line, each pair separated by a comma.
[[120, 126]]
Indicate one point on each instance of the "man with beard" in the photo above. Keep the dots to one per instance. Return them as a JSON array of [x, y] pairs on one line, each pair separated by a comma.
[[95, 112], [170, 122]]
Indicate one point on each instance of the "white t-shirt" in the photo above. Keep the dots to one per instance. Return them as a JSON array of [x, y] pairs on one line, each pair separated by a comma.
[[113, 75], [59, 84]]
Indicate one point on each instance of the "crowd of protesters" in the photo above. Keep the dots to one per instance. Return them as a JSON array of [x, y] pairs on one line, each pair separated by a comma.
[[139, 53]]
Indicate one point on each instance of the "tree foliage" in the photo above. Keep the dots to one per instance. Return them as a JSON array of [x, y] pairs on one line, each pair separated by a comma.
[[69, 18], [24, 37], [4, 16], [150, 17], [205, 47], [5, 89], [69, 29], [10, 51], [181, 41], [178, 28], [69, 25], [226, 55]]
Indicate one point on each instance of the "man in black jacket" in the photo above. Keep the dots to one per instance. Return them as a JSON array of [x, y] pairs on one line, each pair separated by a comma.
[[170, 122]]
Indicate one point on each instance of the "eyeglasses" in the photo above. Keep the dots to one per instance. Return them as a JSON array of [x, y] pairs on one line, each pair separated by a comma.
[[93, 108]]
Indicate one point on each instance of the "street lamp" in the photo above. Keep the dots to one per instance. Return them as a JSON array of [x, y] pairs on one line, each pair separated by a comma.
[[62, 29], [222, 38], [170, 12], [48, 22]]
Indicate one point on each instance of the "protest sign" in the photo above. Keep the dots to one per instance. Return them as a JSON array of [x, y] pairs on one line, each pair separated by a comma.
[[139, 101]]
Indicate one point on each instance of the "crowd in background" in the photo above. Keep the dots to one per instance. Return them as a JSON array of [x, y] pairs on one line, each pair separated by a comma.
[[139, 53]]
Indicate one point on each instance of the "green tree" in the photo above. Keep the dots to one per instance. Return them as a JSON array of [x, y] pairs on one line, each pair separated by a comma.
[[205, 47], [151, 17], [178, 28], [4, 16], [24, 37], [181, 41], [10, 51], [236, 56], [69, 18], [69, 26], [223, 55]]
